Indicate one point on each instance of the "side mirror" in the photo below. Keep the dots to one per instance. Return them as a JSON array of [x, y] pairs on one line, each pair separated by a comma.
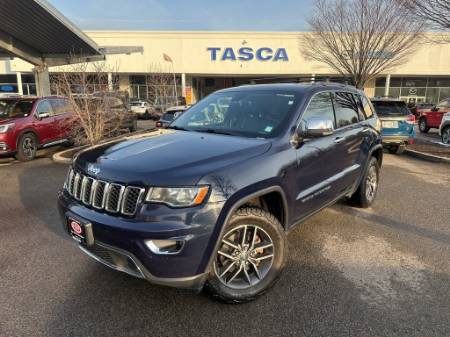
[[317, 127], [435, 108]]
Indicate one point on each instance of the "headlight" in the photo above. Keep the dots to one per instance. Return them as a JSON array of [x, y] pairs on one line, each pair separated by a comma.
[[5, 127], [178, 196]]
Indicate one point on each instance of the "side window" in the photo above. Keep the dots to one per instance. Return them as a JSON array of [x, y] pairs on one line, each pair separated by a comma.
[[320, 105], [59, 106], [44, 107], [346, 109], [365, 106]]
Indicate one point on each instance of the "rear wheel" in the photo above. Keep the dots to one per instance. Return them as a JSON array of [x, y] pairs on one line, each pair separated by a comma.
[[27, 147], [446, 135], [423, 127], [250, 257], [367, 190]]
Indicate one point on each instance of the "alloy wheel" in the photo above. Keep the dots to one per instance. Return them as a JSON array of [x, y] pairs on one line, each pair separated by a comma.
[[28, 147], [422, 124], [245, 257], [371, 183]]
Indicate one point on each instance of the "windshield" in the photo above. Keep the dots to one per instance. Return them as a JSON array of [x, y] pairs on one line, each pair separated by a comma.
[[391, 108], [15, 109], [241, 113]]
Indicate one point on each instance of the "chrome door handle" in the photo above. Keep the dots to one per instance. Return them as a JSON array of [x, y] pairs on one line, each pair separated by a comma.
[[339, 140]]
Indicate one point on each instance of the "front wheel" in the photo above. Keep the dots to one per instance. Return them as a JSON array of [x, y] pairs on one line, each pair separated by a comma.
[[250, 257], [27, 147], [446, 135], [368, 187]]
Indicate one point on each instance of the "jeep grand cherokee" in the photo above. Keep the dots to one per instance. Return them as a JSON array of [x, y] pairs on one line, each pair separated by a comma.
[[207, 202]]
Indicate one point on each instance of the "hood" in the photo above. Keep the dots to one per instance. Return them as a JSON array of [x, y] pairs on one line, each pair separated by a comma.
[[167, 157], [6, 121]]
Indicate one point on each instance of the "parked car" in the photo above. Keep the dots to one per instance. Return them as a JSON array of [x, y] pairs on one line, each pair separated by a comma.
[[118, 115], [211, 204], [417, 107], [30, 123], [170, 115], [397, 123], [444, 129], [141, 108], [431, 118]]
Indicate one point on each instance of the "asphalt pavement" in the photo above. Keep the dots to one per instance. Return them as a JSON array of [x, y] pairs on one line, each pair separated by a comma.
[[384, 271]]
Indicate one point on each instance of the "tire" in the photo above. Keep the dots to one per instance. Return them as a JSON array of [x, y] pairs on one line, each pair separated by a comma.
[[445, 135], [368, 187], [423, 128], [248, 273], [27, 147]]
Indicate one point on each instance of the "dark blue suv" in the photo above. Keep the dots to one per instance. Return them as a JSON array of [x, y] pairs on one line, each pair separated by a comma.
[[207, 202]]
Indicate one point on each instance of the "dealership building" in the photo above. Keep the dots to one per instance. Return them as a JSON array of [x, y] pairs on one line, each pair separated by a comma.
[[202, 62]]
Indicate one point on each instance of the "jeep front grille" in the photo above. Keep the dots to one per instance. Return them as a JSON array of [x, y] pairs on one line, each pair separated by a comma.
[[102, 195]]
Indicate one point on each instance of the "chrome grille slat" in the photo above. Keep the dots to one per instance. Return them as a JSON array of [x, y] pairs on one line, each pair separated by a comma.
[[101, 195]]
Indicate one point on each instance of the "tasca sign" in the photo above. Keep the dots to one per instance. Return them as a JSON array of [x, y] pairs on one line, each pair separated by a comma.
[[248, 54]]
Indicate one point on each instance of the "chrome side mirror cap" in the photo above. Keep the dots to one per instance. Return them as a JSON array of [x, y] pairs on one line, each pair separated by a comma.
[[318, 127]]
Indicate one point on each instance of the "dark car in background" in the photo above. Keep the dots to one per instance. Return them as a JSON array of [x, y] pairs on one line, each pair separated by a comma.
[[170, 114], [30, 123], [208, 201], [431, 118], [397, 123]]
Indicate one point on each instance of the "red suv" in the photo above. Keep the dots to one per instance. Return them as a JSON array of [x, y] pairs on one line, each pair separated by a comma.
[[29, 123], [431, 118]]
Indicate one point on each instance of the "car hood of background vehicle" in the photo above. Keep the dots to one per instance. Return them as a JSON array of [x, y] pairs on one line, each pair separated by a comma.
[[168, 158]]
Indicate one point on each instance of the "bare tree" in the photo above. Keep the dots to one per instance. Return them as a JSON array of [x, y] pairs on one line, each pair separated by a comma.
[[436, 13], [161, 86], [361, 38], [97, 110]]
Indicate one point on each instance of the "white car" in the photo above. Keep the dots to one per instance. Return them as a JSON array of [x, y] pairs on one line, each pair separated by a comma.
[[141, 108], [444, 128]]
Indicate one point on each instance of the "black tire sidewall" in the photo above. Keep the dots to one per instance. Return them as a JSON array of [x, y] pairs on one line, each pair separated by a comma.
[[20, 155], [252, 216], [446, 129], [424, 129]]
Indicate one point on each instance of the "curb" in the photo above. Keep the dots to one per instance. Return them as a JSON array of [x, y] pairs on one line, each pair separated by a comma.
[[61, 159], [427, 156]]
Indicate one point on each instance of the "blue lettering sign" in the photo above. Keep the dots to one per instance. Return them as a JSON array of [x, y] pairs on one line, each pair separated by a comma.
[[260, 54], [248, 54], [213, 51], [281, 54], [228, 54], [245, 54]]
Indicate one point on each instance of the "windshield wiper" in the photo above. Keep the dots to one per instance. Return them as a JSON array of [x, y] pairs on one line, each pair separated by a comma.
[[217, 132], [174, 127]]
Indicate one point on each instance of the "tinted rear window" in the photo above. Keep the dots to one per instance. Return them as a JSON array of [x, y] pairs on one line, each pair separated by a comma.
[[168, 116], [387, 108]]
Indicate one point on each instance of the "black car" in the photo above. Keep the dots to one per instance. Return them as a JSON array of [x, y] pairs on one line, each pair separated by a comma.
[[207, 202], [170, 114]]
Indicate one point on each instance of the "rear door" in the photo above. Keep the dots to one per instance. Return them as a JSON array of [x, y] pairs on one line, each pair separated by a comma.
[[44, 122], [63, 115], [349, 138]]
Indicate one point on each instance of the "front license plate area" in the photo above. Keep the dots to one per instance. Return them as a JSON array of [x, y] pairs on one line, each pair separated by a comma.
[[389, 124], [80, 231]]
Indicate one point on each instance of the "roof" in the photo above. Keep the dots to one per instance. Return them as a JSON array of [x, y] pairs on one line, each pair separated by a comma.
[[294, 87], [35, 31]]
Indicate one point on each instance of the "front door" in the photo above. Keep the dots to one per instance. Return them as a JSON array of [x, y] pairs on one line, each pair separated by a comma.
[[44, 122], [317, 163]]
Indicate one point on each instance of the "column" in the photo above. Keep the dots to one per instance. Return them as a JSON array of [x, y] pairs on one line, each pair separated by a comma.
[[110, 82], [387, 85], [183, 84], [19, 83], [42, 80]]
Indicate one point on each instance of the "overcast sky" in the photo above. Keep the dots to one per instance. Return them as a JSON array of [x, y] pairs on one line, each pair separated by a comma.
[[253, 15]]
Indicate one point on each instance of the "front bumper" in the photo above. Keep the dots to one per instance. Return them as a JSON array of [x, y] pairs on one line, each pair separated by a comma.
[[120, 243]]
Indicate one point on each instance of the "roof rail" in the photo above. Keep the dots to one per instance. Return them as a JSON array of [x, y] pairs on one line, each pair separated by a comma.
[[324, 80]]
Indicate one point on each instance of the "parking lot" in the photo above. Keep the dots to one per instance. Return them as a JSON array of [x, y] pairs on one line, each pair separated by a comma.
[[384, 271]]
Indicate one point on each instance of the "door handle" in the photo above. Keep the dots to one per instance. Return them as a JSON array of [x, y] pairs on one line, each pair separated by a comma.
[[339, 140]]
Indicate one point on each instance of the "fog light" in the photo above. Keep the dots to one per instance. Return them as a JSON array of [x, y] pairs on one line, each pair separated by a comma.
[[164, 246], [3, 147]]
